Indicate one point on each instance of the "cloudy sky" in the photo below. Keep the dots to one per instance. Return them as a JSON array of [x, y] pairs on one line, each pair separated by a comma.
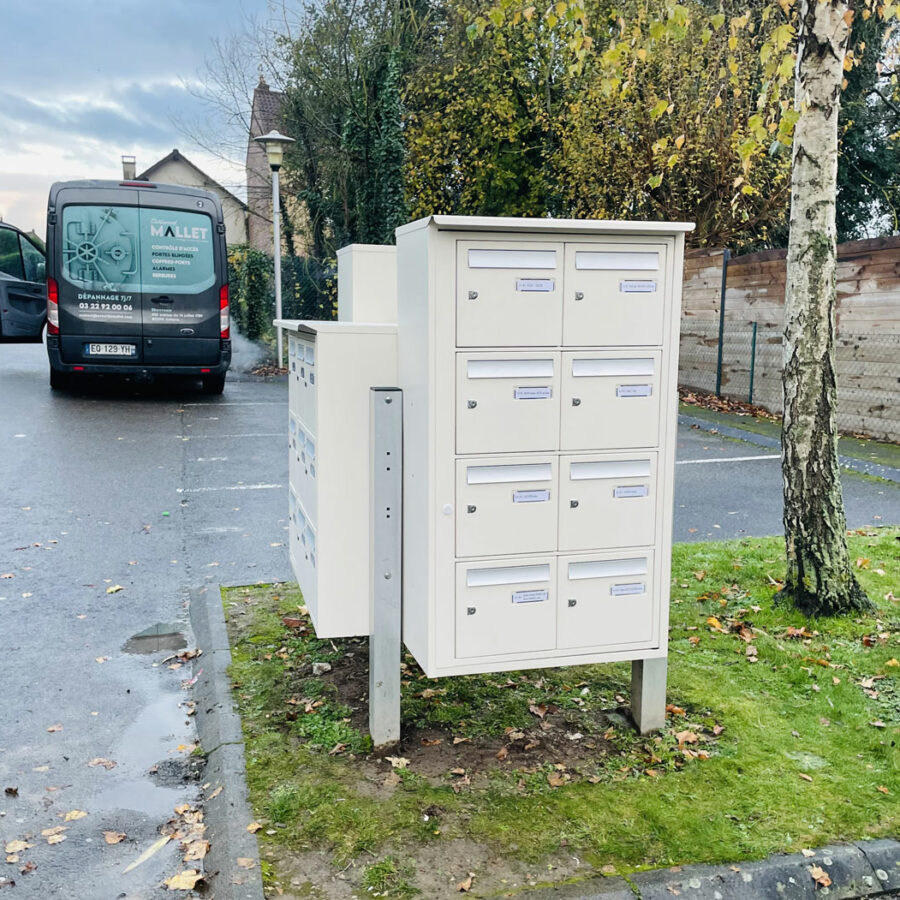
[[82, 83]]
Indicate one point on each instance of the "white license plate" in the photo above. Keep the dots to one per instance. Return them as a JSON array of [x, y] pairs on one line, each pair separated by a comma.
[[110, 349]]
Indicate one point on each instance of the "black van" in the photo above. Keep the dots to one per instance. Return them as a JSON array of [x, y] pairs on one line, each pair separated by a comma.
[[137, 282]]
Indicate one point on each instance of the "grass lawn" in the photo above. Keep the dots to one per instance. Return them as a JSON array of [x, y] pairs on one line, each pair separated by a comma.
[[782, 734]]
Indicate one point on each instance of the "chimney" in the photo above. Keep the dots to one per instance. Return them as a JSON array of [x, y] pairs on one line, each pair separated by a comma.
[[129, 168]]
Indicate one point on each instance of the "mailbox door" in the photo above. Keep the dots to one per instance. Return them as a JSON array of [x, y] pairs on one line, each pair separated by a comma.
[[306, 471], [304, 372], [507, 402], [614, 294], [505, 608], [508, 294], [506, 505], [605, 601], [607, 501], [303, 555], [610, 400]]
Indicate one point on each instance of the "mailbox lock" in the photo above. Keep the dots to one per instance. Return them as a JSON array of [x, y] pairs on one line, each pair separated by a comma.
[[472, 404], [572, 603], [470, 611], [576, 401], [470, 509], [573, 504], [579, 295], [473, 295]]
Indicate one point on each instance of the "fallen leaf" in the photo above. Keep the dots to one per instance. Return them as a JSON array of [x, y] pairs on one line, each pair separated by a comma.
[[11, 792], [291, 622], [539, 710], [892, 663], [557, 779], [17, 846], [461, 740], [114, 589], [808, 853], [41, 769], [882, 789], [675, 710], [196, 850], [183, 881], [114, 837], [502, 753], [215, 793], [56, 838], [101, 659], [686, 737], [153, 848], [426, 742], [59, 829], [100, 761], [465, 885], [458, 771], [877, 724], [862, 562], [253, 827], [54, 728], [73, 815], [28, 867], [819, 876], [805, 777], [245, 862], [700, 575], [397, 762]]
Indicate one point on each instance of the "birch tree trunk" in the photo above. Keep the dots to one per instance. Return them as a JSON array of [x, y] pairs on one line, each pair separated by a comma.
[[820, 577]]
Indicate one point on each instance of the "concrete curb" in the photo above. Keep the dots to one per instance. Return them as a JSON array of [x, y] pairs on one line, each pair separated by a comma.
[[888, 473], [228, 813], [865, 869]]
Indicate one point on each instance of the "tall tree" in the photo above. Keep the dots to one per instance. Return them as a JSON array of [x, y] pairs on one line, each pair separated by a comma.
[[819, 577]]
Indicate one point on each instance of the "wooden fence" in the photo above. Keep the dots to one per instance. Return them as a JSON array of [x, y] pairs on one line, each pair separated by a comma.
[[749, 366]]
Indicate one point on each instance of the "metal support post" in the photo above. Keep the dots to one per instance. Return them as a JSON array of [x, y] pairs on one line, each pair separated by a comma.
[[276, 222], [648, 693], [726, 255], [752, 362], [386, 492]]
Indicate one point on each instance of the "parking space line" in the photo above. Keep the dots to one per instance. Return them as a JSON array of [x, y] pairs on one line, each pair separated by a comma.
[[231, 487], [218, 437], [726, 459]]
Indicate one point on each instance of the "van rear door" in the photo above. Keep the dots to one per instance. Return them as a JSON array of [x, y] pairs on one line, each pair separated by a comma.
[[183, 266], [99, 287], [23, 289]]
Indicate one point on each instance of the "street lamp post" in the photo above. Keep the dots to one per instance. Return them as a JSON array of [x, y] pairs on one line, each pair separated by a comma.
[[274, 144]]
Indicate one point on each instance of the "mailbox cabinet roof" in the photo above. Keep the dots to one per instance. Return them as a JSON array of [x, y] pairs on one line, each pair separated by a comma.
[[554, 226]]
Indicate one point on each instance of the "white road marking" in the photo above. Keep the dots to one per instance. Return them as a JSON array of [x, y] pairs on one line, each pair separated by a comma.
[[222, 530], [691, 462], [211, 459], [238, 403], [216, 437], [231, 487]]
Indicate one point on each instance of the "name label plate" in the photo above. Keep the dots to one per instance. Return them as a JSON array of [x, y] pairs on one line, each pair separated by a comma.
[[624, 590], [637, 287], [530, 496], [634, 390], [530, 596], [535, 285], [631, 490], [533, 393]]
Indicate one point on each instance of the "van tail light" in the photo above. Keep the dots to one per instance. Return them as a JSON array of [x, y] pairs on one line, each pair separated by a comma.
[[224, 314], [52, 306]]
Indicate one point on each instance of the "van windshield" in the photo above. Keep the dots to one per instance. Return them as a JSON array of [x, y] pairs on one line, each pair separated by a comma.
[[126, 248]]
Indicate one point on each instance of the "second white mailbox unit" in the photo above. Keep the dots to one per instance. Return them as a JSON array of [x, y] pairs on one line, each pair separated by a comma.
[[538, 360]]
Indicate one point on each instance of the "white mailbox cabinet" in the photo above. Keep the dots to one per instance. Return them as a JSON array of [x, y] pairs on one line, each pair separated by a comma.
[[538, 362], [331, 366]]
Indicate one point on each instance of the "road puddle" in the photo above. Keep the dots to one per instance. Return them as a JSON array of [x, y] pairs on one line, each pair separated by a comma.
[[162, 636]]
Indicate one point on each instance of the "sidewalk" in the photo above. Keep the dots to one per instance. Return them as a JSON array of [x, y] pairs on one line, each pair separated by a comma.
[[868, 457]]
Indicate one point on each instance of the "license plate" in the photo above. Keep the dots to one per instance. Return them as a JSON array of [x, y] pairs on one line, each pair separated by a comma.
[[110, 349]]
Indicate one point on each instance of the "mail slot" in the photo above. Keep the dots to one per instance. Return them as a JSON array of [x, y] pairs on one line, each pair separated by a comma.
[[607, 501], [610, 400], [615, 294], [605, 601], [507, 402], [506, 505], [303, 551], [509, 608], [508, 294]]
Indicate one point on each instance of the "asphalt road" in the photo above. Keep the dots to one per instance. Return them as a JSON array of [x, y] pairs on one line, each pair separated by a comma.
[[158, 491]]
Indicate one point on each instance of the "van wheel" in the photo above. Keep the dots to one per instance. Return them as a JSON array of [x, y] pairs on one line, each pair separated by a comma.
[[59, 381], [213, 384]]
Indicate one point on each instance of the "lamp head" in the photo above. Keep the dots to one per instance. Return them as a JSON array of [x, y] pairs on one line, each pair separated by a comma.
[[274, 143]]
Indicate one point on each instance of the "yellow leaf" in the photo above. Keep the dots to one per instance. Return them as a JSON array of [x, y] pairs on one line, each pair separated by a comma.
[[679, 142], [49, 832], [73, 815], [113, 837], [892, 663], [253, 827], [114, 589], [183, 881], [156, 845], [56, 838], [17, 846], [245, 862]]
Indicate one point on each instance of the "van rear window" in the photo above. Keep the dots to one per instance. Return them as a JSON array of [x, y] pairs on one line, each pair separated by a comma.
[[126, 248]]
